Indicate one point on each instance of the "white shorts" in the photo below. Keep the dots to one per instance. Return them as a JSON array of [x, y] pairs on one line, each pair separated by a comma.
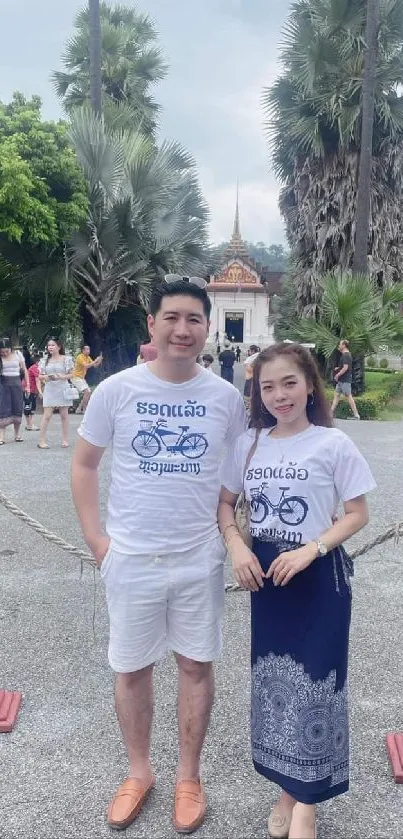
[[80, 384], [167, 602]]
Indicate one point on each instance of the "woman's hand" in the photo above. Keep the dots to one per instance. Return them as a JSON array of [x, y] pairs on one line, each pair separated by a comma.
[[290, 563], [245, 565]]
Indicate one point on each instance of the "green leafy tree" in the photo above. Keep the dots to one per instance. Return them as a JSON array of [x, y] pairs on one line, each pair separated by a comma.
[[131, 64], [43, 200], [354, 308], [314, 113]]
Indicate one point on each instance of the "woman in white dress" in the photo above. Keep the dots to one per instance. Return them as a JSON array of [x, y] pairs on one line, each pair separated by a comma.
[[54, 372]]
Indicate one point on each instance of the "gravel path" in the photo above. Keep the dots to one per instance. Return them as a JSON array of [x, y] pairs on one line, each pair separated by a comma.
[[64, 758]]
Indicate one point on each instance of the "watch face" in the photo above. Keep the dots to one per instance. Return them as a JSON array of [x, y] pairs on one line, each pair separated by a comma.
[[322, 549]]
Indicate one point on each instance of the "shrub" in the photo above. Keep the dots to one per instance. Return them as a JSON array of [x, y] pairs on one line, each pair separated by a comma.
[[383, 363], [371, 361], [371, 402]]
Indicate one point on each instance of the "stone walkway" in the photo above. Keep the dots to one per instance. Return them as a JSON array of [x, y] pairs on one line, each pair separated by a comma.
[[64, 758]]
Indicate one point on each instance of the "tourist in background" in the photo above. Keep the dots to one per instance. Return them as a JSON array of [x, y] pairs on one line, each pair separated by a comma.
[[252, 354], [30, 398], [238, 354], [54, 373], [227, 361], [82, 364], [148, 352], [299, 576], [12, 370], [343, 378], [207, 361]]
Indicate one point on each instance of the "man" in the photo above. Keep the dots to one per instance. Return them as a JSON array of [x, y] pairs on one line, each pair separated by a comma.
[[163, 559], [238, 354], [343, 378], [227, 361], [148, 352], [82, 364]]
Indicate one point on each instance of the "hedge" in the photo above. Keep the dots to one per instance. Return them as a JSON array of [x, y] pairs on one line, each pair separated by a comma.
[[386, 371], [371, 402]]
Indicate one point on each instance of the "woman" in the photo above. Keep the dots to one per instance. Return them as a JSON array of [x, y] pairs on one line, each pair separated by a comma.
[[12, 369], [54, 372], [253, 353], [294, 468]]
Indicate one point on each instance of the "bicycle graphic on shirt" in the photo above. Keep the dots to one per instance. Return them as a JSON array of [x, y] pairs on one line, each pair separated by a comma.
[[153, 437], [291, 510]]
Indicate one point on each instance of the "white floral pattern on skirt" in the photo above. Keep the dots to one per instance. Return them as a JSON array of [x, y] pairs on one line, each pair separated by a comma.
[[299, 727]]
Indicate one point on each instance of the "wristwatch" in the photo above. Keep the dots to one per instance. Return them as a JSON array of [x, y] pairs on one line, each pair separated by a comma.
[[322, 548]]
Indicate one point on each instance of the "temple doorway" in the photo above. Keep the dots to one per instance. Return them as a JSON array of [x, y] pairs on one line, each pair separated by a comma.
[[234, 326]]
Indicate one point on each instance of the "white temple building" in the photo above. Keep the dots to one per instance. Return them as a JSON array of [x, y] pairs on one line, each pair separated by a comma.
[[240, 295]]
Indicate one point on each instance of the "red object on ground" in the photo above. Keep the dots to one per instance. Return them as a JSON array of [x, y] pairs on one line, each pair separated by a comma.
[[10, 701], [394, 745]]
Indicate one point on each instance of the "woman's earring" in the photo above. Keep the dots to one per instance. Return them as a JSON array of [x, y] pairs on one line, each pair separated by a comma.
[[311, 400]]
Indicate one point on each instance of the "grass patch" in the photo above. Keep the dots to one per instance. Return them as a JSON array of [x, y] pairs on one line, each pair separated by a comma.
[[376, 381]]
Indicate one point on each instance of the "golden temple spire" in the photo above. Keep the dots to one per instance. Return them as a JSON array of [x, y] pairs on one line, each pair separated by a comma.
[[237, 231], [236, 246]]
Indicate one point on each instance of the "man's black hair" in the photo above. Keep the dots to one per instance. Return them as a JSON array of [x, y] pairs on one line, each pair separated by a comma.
[[173, 290]]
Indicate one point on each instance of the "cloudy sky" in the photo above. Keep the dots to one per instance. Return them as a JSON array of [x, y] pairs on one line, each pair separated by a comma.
[[221, 54]]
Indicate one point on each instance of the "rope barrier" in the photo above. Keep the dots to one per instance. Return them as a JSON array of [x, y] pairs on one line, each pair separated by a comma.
[[393, 532]]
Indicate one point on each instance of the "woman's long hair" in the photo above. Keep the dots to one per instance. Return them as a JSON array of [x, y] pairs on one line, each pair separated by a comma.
[[317, 408], [59, 344]]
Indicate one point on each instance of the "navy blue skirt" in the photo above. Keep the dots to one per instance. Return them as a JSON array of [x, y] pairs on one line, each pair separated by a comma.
[[299, 657]]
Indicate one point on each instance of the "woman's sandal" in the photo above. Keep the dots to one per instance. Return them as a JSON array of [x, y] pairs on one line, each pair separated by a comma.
[[279, 823], [18, 439], [43, 447], [2, 442]]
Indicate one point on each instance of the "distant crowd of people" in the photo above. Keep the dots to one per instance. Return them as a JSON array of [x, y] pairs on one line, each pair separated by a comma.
[[54, 378]]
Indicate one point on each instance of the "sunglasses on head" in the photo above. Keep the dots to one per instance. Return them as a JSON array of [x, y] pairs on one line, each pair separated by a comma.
[[177, 278]]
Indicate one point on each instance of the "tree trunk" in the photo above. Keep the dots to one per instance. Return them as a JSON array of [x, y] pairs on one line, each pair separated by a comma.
[[363, 209], [358, 375], [95, 56]]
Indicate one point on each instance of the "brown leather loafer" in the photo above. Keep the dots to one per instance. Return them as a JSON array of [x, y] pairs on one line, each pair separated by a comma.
[[127, 802], [189, 807]]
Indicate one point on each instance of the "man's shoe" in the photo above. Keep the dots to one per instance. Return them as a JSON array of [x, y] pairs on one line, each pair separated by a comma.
[[127, 803], [189, 807]]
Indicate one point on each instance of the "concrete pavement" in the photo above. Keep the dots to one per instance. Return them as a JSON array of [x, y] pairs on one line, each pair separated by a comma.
[[62, 762]]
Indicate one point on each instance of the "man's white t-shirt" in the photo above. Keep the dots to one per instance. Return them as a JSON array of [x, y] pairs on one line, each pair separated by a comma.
[[295, 484], [167, 444]]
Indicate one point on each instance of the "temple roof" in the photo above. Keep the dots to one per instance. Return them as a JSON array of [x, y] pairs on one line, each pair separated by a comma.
[[239, 271]]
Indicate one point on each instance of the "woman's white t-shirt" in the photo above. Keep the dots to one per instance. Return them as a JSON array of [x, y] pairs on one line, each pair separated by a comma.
[[295, 484]]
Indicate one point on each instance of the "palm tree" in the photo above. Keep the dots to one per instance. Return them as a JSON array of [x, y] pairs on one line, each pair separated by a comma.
[[363, 211], [146, 217], [314, 113], [95, 46], [131, 65], [355, 308]]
